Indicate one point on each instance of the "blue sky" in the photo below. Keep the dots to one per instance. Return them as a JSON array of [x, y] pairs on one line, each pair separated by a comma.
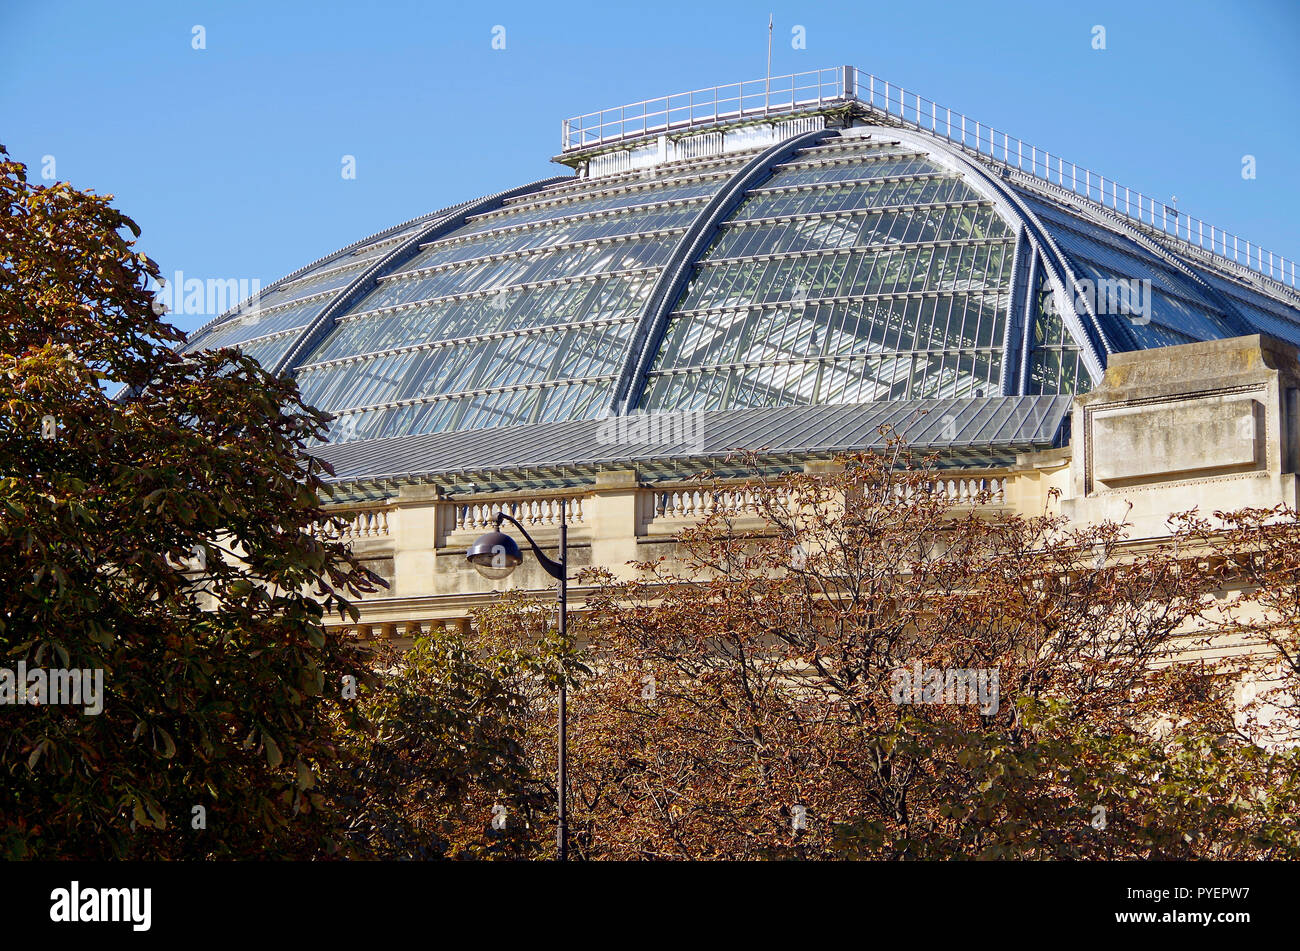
[[230, 157]]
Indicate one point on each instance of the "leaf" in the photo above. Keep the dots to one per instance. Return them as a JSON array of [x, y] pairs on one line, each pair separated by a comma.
[[36, 754], [273, 755]]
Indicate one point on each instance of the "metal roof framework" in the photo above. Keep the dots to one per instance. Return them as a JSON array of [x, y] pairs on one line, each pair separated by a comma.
[[987, 431], [992, 163]]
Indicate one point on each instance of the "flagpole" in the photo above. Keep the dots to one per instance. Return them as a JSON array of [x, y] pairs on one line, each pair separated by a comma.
[[767, 82]]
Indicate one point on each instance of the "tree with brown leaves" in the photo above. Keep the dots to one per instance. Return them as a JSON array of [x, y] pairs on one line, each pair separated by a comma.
[[851, 665]]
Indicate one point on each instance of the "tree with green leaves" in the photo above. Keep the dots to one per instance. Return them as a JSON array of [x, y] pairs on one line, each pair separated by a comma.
[[444, 766], [163, 538]]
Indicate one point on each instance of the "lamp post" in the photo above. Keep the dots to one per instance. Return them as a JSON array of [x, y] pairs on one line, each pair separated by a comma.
[[495, 555]]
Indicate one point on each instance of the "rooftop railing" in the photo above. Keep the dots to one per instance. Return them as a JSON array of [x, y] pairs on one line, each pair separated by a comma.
[[822, 89], [705, 108]]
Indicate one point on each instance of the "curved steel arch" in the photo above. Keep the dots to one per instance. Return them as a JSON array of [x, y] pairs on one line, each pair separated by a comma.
[[1035, 249], [1023, 346], [333, 256], [364, 282], [1022, 279], [1083, 325], [1104, 218], [653, 319], [224, 317]]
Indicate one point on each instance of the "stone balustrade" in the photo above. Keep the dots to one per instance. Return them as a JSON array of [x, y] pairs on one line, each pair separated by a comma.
[[531, 511]]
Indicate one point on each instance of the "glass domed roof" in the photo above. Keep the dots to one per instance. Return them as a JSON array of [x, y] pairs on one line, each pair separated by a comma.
[[844, 256]]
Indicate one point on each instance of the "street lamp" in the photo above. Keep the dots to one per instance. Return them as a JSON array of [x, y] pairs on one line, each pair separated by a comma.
[[495, 555]]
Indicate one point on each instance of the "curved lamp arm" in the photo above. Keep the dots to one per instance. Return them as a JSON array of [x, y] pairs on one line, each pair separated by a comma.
[[553, 568]]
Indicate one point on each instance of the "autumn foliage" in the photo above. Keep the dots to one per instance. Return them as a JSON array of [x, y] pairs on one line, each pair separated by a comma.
[[741, 700], [849, 666]]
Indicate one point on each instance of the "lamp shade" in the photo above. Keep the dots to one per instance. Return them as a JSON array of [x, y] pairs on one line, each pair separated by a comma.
[[494, 555]]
